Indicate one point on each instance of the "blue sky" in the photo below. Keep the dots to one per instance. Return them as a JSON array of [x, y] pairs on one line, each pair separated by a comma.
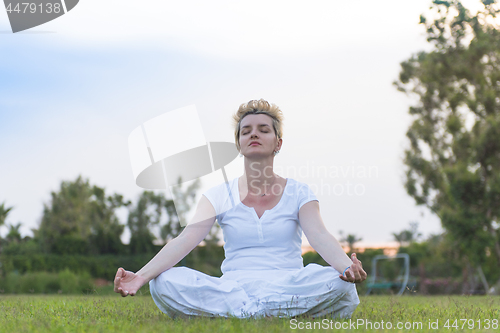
[[72, 90]]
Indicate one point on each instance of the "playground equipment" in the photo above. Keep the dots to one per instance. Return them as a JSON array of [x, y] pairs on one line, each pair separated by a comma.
[[401, 281]]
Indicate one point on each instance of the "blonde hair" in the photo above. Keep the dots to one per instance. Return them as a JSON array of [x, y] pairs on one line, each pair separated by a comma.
[[258, 107]]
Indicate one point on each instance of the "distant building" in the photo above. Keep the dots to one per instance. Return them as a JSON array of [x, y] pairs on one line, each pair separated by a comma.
[[390, 248]]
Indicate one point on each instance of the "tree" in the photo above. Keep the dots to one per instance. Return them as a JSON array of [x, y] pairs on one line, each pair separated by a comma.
[[80, 219], [4, 212], [185, 200], [452, 166], [141, 219], [172, 228], [106, 228], [350, 240], [408, 236], [14, 236], [149, 211]]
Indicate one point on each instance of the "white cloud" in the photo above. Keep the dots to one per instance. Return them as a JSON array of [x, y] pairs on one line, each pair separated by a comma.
[[243, 29]]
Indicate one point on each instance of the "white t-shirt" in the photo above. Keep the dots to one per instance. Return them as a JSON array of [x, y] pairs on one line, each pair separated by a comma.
[[271, 242]]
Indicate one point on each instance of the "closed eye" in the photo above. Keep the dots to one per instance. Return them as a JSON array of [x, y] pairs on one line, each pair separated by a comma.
[[261, 131]]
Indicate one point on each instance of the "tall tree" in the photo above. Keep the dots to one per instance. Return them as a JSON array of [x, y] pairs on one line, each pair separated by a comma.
[[453, 161], [172, 228], [106, 228], [141, 219], [150, 209], [80, 218], [177, 212]]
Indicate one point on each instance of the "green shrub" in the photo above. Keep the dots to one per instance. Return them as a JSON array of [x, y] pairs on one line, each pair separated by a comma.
[[104, 266], [69, 244], [10, 283], [206, 259], [69, 281], [313, 258], [64, 282], [25, 247]]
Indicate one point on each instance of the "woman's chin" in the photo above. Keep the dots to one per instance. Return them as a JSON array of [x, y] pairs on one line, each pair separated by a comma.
[[257, 156]]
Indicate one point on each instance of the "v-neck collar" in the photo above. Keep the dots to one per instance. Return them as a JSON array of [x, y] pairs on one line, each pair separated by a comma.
[[252, 208]]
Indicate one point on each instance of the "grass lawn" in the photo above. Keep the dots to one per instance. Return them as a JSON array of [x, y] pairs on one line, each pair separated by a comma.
[[112, 313]]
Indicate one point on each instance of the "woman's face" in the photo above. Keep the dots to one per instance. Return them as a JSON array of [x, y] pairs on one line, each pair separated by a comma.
[[257, 128]]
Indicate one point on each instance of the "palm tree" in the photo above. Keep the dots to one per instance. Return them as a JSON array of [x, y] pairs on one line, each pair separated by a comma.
[[4, 211], [350, 239], [14, 235], [407, 236]]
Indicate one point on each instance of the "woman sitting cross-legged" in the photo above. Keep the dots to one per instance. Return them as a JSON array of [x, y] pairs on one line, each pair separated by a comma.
[[262, 216]]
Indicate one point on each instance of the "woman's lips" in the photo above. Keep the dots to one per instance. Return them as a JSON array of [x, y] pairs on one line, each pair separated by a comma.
[[255, 144]]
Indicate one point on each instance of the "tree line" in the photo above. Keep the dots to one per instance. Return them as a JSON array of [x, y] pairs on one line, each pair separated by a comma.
[[80, 218]]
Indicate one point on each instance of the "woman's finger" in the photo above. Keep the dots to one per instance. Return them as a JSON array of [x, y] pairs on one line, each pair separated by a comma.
[[361, 275], [119, 272], [356, 273], [117, 284], [349, 275], [116, 280], [355, 259], [344, 278]]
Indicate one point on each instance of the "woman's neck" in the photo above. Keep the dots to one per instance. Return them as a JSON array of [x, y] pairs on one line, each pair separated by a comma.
[[258, 175]]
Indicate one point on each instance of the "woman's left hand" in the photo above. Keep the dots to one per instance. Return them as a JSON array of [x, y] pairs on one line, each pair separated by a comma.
[[355, 273], [128, 283]]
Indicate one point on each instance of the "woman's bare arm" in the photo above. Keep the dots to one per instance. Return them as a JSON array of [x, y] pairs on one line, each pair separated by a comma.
[[326, 245], [127, 283]]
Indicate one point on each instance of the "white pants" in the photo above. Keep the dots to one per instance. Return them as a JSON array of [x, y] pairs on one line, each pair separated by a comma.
[[313, 290]]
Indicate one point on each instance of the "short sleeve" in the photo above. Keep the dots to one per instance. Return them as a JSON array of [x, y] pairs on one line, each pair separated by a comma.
[[305, 195], [212, 194]]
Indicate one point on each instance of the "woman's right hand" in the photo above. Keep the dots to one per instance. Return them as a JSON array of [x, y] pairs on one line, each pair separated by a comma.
[[127, 283], [355, 273]]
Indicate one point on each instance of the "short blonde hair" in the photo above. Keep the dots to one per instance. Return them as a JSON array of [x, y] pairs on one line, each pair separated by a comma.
[[258, 107]]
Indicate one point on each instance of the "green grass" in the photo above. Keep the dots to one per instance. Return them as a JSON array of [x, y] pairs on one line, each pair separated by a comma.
[[112, 313]]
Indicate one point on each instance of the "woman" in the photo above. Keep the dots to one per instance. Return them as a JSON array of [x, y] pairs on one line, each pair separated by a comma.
[[262, 216]]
